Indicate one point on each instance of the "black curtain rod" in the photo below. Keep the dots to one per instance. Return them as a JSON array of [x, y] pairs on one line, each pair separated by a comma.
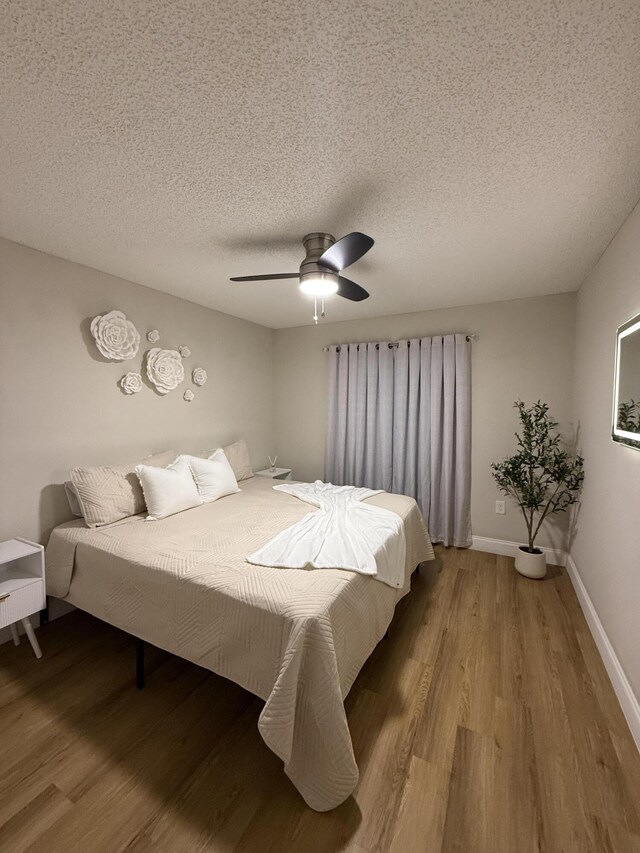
[[474, 337]]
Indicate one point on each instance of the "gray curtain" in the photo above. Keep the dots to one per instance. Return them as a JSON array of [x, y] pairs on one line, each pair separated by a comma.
[[399, 419]]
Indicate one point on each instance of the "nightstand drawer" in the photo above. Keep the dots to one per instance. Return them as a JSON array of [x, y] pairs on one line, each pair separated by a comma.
[[16, 604]]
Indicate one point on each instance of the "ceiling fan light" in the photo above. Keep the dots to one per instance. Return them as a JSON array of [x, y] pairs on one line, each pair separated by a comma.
[[319, 286]]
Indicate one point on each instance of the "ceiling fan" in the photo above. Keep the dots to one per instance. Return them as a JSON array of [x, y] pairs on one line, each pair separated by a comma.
[[325, 259]]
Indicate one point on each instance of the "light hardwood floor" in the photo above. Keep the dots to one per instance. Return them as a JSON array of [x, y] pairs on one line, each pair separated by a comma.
[[485, 722]]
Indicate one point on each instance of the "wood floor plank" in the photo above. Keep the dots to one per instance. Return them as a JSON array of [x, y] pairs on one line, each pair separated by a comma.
[[614, 838], [31, 717], [201, 810], [33, 819], [380, 788], [22, 673], [517, 825], [436, 733], [96, 739], [493, 793], [143, 782], [481, 668], [627, 754], [120, 723], [602, 683], [603, 784], [469, 821], [438, 583], [565, 814], [143, 844], [420, 823], [510, 642], [485, 721]]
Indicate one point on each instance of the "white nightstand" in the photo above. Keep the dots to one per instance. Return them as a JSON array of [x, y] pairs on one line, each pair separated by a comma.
[[22, 590], [278, 474]]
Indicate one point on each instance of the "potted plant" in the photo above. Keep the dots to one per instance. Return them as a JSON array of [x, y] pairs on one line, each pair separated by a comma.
[[541, 477]]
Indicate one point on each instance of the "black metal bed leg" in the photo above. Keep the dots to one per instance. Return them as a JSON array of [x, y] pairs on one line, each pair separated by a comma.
[[140, 664], [44, 613]]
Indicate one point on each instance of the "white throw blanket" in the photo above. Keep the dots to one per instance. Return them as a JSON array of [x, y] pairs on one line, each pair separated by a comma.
[[344, 534]]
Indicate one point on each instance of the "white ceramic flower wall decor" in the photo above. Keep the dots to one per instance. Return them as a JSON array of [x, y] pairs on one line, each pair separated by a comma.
[[153, 336], [188, 395], [131, 383], [116, 337], [199, 376], [164, 369], [185, 352]]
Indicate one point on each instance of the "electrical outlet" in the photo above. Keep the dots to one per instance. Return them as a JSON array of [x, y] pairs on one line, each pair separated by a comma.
[[501, 507]]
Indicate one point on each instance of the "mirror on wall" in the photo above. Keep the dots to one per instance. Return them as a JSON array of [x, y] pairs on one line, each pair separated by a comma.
[[626, 392]]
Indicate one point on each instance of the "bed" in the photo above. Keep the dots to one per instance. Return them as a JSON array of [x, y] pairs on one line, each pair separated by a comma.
[[296, 638]]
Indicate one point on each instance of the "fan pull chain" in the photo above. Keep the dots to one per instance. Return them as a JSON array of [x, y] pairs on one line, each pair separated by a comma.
[[315, 310], [322, 307]]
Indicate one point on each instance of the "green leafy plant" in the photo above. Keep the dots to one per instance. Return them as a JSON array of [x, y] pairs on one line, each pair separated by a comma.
[[541, 477], [629, 416]]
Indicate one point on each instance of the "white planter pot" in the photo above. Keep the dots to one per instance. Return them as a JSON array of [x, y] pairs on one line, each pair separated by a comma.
[[531, 565]]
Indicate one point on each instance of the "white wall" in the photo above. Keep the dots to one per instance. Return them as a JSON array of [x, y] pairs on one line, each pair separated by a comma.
[[525, 350], [60, 403], [606, 549]]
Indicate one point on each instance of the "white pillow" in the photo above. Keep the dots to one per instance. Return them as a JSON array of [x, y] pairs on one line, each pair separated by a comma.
[[168, 490], [214, 476]]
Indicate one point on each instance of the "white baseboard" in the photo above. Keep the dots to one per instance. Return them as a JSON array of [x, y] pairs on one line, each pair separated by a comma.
[[626, 697], [555, 556]]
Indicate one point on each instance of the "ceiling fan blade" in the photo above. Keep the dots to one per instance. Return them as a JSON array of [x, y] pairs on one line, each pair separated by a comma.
[[346, 251], [350, 290], [266, 277]]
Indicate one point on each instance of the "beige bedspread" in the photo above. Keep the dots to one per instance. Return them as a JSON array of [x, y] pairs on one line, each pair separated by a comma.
[[297, 638]]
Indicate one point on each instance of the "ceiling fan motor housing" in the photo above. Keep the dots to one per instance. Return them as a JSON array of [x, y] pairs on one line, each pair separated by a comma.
[[315, 245], [325, 258]]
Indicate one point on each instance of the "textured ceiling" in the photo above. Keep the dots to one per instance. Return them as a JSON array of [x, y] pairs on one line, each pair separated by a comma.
[[490, 148]]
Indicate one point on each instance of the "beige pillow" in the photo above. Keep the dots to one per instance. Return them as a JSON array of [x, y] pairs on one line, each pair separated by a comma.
[[109, 493], [238, 456], [72, 497]]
